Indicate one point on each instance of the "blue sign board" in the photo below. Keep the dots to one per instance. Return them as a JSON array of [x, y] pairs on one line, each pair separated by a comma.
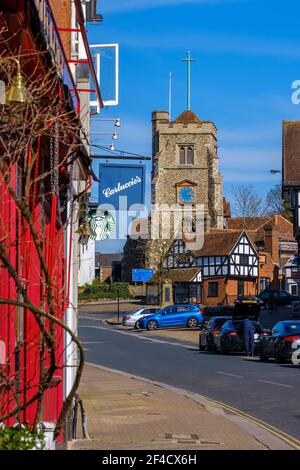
[[121, 180], [142, 275]]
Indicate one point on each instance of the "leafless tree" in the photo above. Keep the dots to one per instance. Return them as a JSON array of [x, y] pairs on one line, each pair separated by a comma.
[[275, 204], [246, 202]]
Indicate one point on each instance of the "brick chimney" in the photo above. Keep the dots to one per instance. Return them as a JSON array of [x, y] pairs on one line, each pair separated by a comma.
[[272, 242]]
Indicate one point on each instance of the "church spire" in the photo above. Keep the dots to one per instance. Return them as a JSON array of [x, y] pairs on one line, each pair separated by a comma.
[[188, 60]]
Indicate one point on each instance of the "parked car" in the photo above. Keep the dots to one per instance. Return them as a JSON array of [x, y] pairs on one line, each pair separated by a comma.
[[132, 318], [247, 304], [230, 338], [295, 310], [182, 315], [277, 297], [207, 333], [280, 341]]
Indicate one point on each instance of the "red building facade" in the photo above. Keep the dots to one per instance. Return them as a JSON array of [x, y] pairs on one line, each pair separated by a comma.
[[35, 183]]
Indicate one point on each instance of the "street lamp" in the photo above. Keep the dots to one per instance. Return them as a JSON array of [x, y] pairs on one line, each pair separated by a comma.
[[16, 91], [275, 172], [114, 135], [117, 121]]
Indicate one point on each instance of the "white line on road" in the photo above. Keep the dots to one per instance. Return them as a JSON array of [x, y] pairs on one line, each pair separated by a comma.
[[276, 383], [231, 375], [138, 336]]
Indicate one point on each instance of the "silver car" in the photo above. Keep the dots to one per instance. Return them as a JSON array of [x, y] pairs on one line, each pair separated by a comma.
[[132, 318]]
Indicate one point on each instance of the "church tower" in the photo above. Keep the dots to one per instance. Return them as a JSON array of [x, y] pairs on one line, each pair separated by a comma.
[[185, 166]]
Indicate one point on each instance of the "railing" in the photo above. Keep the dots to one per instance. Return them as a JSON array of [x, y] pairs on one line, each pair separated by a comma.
[[55, 44]]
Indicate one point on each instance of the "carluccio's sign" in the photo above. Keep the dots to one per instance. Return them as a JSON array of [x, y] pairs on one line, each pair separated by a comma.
[[119, 182]]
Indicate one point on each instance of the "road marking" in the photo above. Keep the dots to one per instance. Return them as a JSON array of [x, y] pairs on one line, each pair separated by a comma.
[[231, 375], [138, 336], [276, 383]]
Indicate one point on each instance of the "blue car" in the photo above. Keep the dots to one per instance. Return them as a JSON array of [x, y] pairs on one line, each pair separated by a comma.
[[186, 315]]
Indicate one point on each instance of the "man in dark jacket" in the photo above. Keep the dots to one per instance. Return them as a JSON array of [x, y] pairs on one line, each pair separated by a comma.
[[249, 331]]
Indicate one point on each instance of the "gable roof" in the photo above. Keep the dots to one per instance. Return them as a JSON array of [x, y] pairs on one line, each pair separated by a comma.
[[247, 223], [188, 116], [106, 259], [220, 242], [183, 275]]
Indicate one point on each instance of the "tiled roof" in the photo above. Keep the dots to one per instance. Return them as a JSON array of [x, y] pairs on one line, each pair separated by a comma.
[[247, 223], [220, 242], [182, 275], [106, 259], [188, 116]]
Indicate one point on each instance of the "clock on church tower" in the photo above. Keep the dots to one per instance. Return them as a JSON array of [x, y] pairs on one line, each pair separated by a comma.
[[186, 192]]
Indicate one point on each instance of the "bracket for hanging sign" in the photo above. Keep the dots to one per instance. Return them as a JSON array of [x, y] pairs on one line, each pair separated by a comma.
[[115, 100]]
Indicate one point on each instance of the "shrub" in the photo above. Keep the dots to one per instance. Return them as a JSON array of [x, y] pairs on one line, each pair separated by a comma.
[[20, 438], [99, 290]]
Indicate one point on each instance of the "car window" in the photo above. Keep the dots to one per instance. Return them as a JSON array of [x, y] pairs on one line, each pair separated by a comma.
[[182, 309], [228, 325], [170, 310], [276, 329], [292, 328], [154, 310]]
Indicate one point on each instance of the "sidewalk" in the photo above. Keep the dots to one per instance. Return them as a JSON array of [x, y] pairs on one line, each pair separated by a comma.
[[129, 413]]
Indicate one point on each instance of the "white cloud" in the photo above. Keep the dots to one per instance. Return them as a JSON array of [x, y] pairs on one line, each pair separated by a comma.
[[115, 6]]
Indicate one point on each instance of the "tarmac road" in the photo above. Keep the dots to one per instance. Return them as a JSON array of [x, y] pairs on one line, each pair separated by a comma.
[[267, 391]]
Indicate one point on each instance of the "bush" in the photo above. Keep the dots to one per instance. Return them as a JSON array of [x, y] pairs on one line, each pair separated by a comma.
[[99, 290], [20, 438]]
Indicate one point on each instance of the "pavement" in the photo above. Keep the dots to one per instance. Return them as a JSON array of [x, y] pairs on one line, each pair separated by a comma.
[[125, 412], [144, 391]]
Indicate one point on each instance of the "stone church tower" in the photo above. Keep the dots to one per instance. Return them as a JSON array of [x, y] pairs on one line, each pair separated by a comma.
[[185, 166], [185, 170]]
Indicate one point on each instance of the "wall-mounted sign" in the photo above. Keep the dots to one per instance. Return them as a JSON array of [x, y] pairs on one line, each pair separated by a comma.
[[142, 275], [121, 180]]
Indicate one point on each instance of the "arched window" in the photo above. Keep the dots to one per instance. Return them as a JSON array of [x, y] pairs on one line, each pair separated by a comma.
[[190, 156], [186, 155], [182, 155]]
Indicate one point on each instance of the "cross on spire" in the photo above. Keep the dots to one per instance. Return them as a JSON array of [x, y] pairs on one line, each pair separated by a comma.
[[188, 60]]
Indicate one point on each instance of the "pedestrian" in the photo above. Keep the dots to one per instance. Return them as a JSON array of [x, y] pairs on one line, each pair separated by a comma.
[[249, 331]]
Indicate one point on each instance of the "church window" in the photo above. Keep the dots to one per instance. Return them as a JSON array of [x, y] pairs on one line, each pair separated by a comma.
[[190, 156], [186, 155], [182, 155]]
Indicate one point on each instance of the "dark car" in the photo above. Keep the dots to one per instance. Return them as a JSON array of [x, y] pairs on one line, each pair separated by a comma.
[[247, 304], [280, 342], [181, 315], [276, 298], [206, 336], [230, 338]]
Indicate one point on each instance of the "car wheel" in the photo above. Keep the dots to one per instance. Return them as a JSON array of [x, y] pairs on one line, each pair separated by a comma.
[[152, 325], [201, 348], [278, 359], [137, 324], [192, 322]]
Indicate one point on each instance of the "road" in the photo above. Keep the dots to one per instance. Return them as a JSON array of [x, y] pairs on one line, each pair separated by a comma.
[[265, 390]]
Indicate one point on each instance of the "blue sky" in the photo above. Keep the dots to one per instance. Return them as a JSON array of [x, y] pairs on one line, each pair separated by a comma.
[[248, 54]]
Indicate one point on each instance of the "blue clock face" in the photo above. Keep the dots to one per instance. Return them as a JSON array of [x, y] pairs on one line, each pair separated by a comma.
[[186, 194]]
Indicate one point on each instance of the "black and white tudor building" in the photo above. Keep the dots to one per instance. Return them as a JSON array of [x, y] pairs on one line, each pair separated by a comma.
[[226, 266]]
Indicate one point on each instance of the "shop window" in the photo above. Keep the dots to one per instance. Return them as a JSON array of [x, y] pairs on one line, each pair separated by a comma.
[[213, 289]]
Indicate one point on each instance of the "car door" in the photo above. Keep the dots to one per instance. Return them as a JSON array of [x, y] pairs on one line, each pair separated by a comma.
[[270, 340], [168, 316]]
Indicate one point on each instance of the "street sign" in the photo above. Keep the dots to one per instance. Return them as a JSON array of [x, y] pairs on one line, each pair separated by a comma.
[[142, 275]]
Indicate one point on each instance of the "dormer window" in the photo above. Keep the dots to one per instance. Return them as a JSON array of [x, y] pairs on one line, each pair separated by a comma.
[[186, 155]]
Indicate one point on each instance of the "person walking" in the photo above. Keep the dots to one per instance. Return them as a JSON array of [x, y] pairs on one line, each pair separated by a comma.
[[249, 331]]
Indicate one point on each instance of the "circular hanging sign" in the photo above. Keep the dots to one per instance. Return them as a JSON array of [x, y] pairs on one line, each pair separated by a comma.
[[102, 224]]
